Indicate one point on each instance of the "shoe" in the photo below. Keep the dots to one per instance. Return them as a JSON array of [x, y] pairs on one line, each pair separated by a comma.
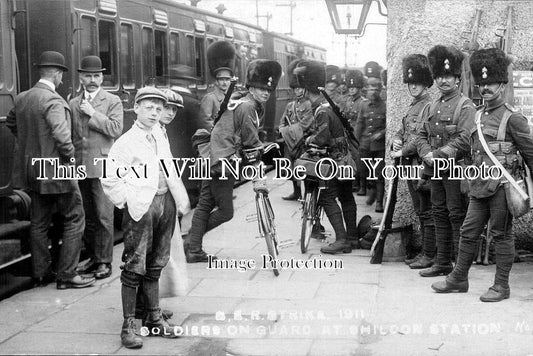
[[361, 192], [87, 267], [165, 313], [371, 197], [103, 271], [408, 261], [449, 286], [44, 280], [129, 336], [337, 247], [161, 327], [76, 282], [436, 271], [293, 196], [496, 293], [379, 207], [424, 262], [354, 243], [197, 256]]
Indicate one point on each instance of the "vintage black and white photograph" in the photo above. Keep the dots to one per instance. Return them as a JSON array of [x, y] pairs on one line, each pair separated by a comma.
[[274, 177]]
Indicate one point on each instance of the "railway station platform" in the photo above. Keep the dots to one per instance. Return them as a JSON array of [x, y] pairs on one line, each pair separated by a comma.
[[359, 309]]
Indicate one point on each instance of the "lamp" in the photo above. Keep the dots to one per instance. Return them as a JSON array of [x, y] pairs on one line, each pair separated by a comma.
[[349, 16]]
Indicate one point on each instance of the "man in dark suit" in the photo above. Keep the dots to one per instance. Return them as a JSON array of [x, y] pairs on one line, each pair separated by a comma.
[[41, 122], [97, 118]]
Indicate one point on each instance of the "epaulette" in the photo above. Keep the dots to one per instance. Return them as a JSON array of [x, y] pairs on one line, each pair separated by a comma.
[[479, 107], [233, 104], [511, 108], [364, 99]]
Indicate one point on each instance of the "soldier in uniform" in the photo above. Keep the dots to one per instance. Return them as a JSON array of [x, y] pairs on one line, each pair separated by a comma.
[[333, 78], [342, 89], [350, 107], [329, 131], [418, 78], [295, 124], [506, 131], [221, 61], [448, 118], [370, 130], [238, 129]]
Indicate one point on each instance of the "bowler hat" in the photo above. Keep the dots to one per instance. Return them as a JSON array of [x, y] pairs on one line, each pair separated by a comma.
[[91, 64], [52, 59], [150, 93]]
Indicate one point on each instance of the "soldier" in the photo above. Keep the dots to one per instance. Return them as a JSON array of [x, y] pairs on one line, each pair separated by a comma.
[[97, 118], [237, 129], [329, 131], [370, 130], [350, 107], [417, 76], [295, 124], [448, 118], [342, 89], [333, 78], [221, 61], [506, 131]]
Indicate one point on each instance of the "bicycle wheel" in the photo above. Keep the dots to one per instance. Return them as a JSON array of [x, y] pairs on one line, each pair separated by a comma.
[[308, 219], [265, 216]]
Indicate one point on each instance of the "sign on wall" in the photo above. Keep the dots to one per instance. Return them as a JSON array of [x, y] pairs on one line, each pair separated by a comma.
[[523, 92]]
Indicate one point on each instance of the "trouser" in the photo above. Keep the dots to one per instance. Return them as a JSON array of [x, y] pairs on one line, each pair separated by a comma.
[[98, 237], [422, 206], [214, 193], [70, 206], [378, 182], [501, 226], [449, 212], [338, 217]]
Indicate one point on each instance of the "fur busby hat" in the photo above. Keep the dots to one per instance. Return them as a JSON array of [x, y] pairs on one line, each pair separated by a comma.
[[333, 74], [263, 73], [310, 75], [293, 80], [372, 70], [445, 61], [220, 56], [355, 78], [489, 66], [416, 70]]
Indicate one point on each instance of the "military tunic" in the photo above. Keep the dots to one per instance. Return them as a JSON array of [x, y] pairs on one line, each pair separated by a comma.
[[371, 125], [210, 104], [297, 112], [350, 107]]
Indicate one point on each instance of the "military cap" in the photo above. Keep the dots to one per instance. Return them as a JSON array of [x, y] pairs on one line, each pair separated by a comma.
[[293, 80], [372, 70], [310, 75], [220, 56], [173, 98], [91, 64], [52, 59], [263, 73], [416, 70], [355, 78], [445, 61], [489, 66], [333, 74], [149, 92]]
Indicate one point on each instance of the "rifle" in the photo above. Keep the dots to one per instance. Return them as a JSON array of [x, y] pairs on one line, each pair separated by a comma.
[[224, 104], [386, 222], [347, 127], [504, 43]]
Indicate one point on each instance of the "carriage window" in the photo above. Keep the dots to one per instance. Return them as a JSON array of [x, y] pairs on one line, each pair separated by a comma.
[[190, 51], [147, 58], [108, 45], [174, 49], [126, 55], [161, 57], [88, 37], [199, 59]]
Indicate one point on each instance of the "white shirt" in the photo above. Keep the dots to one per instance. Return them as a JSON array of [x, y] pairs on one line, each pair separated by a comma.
[[49, 83], [90, 96]]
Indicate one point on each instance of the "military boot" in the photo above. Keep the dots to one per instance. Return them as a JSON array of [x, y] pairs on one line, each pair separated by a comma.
[[424, 262], [129, 337], [450, 285], [371, 196], [339, 246], [436, 271], [496, 293], [380, 192], [158, 326], [295, 195]]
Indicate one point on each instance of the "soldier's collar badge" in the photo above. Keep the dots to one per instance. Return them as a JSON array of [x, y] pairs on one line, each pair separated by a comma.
[[446, 64]]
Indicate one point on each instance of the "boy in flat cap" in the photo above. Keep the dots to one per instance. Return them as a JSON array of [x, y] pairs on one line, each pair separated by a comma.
[[448, 118], [97, 118], [506, 132], [295, 124], [370, 130], [237, 129], [418, 78], [152, 199]]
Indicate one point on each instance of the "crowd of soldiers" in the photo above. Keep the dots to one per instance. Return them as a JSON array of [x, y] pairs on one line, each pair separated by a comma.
[[328, 108]]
